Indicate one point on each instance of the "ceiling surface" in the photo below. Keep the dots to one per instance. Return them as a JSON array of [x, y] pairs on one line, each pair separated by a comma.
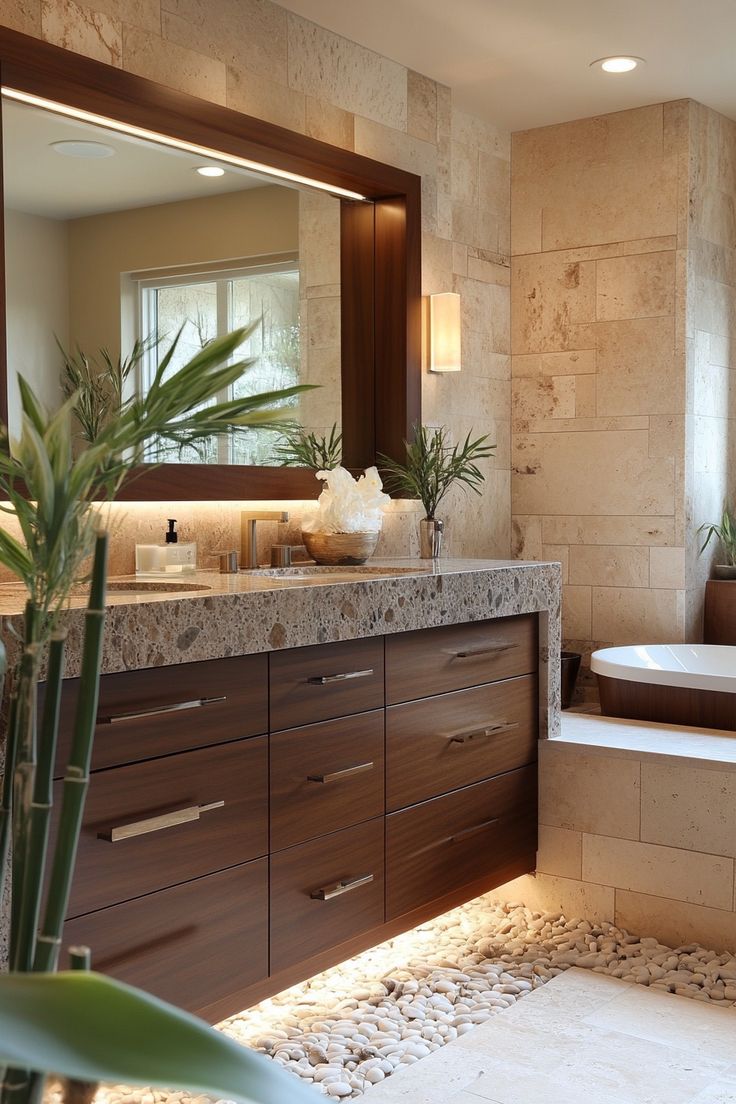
[[525, 63]]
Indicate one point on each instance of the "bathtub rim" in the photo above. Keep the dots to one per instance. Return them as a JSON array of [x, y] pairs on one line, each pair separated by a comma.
[[610, 663]]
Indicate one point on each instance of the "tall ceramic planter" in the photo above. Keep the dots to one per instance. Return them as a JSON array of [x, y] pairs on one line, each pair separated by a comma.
[[430, 538]]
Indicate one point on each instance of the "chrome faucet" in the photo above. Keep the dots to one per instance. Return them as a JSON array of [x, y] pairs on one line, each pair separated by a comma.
[[248, 521]]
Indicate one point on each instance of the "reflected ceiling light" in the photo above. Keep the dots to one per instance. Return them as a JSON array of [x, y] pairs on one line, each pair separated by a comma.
[[174, 143], [210, 170], [89, 151], [618, 63]]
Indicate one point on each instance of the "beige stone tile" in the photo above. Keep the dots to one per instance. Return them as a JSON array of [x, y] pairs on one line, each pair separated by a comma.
[[611, 473], [421, 120], [464, 174], [437, 267], [459, 259], [526, 538], [386, 144], [607, 530], [667, 437], [488, 271], [675, 127], [472, 131], [661, 871], [667, 568], [637, 616], [324, 323], [548, 298], [142, 13], [329, 124], [247, 33], [588, 793], [686, 807], [324, 65], [577, 362], [526, 214], [617, 249], [605, 565], [577, 612], [561, 554], [22, 15], [545, 397], [676, 922], [559, 852], [253, 94], [319, 244], [485, 310], [545, 893], [83, 30], [586, 405], [687, 1026], [622, 136], [637, 371], [154, 57], [587, 425], [494, 183], [642, 286]]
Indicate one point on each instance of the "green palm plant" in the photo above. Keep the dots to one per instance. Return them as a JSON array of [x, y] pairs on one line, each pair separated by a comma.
[[298, 447], [433, 465], [725, 532], [51, 493]]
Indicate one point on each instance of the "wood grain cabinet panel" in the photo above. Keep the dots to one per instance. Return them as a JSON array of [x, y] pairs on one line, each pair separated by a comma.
[[325, 777], [324, 681], [326, 891], [138, 718], [439, 744], [454, 657], [192, 945], [117, 869], [443, 844]]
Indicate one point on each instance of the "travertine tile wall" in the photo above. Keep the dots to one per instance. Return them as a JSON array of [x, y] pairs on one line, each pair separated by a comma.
[[710, 339], [598, 234], [643, 840], [260, 59]]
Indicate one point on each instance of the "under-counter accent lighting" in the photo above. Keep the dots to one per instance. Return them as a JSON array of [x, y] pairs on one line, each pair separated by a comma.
[[175, 143], [621, 63], [210, 170], [88, 151], [444, 332]]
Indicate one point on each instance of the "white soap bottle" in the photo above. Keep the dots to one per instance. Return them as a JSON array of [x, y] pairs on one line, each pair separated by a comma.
[[169, 558]]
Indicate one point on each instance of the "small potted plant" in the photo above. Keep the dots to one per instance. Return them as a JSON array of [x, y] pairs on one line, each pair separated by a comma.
[[432, 467], [725, 532]]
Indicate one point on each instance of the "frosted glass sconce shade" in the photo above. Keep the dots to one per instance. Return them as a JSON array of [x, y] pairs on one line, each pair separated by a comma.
[[444, 332]]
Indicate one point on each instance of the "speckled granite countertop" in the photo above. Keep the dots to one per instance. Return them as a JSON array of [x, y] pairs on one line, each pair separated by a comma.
[[240, 614]]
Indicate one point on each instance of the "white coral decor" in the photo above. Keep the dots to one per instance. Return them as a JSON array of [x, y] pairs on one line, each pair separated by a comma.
[[349, 505]]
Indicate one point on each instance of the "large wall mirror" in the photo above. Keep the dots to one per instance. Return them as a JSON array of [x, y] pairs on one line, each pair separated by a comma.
[[132, 212]]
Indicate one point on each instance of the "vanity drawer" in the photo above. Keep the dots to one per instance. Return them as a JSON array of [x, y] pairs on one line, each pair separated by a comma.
[[326, 891], [326, 776], [443, 844], [142, 714], [152, 856], [438, 744], [433, 661], [192, 945], [324, 681]]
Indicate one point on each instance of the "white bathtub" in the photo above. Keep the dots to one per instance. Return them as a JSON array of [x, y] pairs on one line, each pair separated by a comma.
[[690, 684]]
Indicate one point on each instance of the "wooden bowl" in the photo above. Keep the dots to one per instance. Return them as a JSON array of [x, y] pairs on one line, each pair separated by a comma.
[[340, 548]]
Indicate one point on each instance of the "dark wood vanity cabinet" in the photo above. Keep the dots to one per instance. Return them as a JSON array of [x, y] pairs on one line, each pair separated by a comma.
[[252, 820]]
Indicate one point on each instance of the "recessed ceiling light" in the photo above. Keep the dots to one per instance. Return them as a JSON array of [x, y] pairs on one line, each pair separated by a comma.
[[619, 63], [90, 151], [210, 170]]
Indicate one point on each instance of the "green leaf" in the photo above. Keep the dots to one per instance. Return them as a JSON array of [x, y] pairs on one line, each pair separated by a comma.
[[85, 1026]]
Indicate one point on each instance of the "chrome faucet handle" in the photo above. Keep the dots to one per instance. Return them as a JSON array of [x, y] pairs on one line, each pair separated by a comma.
[[248, 522]]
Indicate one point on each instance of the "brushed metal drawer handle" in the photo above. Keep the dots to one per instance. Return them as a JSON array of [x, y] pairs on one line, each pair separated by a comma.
[[155, 824], [322, 680], [488, 730], [487, 649], [474, 831], [175, 707], [336, 775], [345, 886]]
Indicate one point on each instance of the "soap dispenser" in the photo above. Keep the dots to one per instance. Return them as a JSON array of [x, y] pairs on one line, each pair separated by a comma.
[[171, 557]]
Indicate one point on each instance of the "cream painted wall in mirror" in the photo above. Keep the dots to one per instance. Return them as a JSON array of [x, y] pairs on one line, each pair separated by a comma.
[[102, 251]]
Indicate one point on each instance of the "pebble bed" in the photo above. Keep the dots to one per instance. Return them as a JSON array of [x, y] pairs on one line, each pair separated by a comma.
[[352, 1026]]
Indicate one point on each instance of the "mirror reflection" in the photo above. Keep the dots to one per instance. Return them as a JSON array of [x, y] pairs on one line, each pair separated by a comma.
[[113, 244]]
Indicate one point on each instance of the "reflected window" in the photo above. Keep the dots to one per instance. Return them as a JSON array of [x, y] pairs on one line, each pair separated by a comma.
[[202, 307]]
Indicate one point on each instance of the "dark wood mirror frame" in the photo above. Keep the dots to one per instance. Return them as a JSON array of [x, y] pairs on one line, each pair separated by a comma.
[[380, 261]]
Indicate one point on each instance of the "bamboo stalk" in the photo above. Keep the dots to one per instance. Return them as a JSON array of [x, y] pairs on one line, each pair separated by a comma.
[[40, 813], [23, 785], [6, 799], [76, 779], [74, 1091]]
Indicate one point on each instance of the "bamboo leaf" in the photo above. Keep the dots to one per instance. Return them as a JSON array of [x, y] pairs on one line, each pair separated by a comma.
[[88, 1027]]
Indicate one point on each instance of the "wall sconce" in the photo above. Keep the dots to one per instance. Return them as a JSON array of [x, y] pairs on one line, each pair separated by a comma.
[[444, 332]]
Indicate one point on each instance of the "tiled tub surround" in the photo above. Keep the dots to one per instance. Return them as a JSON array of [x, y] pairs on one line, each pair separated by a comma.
[[638, 826], [450, 676]]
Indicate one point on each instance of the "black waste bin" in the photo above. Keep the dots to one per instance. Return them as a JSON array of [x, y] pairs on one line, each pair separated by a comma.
[[570, 667]]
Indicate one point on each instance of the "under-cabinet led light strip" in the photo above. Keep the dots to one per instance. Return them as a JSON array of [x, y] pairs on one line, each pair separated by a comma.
[[175, 143]]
